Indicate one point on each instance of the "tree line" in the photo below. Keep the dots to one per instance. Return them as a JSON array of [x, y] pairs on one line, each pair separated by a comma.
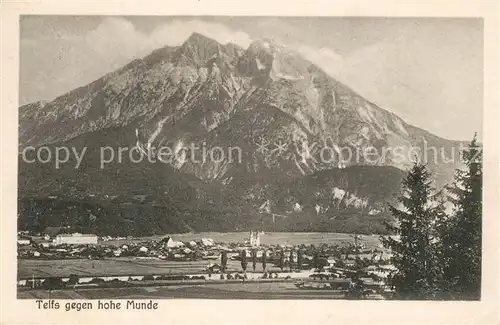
[[438, 252], [297, 262]]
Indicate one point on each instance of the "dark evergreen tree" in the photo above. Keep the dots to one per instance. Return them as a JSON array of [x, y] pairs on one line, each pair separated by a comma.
[[264, 260], [290, 261], [462, 235], [53, 283], [281, 261], [414, 252], [244, 262], [210, 271], [223, 261], [300, 258], [315, 261], [73, 280], [254, 259], [357, 260]]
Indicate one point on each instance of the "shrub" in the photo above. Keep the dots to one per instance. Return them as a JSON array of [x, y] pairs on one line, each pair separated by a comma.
[[53, 283]]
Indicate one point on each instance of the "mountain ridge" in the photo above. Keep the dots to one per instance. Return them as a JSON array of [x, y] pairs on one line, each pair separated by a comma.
[[215, 95]]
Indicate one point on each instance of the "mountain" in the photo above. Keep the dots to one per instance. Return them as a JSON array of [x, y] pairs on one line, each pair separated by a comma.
[[277, 122]]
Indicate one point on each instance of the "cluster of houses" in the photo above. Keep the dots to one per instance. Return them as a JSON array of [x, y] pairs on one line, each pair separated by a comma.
[[167, 248], [338, 262], [55, 245], [76, 245]]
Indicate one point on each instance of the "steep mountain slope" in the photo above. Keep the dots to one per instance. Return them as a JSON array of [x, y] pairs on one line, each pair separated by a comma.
[[287, 121]]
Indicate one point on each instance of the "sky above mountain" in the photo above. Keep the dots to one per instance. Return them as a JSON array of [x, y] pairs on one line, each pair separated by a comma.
[[428, 71]]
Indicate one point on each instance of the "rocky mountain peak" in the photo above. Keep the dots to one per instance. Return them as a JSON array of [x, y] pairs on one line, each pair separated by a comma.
[[197, 50], [203, 89], [277, 107], [199, 39], [234, 49]]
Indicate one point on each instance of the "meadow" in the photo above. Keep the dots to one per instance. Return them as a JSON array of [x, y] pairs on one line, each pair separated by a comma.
[[249, 290], [113, 266]]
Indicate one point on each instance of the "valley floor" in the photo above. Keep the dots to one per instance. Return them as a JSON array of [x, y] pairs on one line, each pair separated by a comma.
[[248, 290]]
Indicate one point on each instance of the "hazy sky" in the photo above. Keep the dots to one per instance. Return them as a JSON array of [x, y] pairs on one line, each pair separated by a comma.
[[428, 71]]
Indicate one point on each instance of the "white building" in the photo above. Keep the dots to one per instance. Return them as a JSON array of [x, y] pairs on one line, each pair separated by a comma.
[[76, 239], [207, 242], [255, 238], [170, 243]]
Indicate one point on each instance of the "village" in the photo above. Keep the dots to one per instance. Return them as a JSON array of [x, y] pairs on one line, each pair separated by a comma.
[[89, 261]]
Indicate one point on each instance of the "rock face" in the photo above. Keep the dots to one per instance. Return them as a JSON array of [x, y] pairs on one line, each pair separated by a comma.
[[289, 123]]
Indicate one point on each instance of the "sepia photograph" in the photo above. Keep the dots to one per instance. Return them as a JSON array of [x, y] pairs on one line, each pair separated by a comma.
[[227, 157], [207, 162]]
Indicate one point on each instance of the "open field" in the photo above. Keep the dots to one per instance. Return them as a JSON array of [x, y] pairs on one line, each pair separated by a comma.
[[115, 266], [118, 266], [251, 290]]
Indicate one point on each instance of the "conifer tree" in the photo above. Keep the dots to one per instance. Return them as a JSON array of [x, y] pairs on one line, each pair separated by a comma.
[[281, 261], [462, 237], [315, 261], [264, 260], [244, 262], [299, 259], [254, 259], [414, 252], [223, 261]]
